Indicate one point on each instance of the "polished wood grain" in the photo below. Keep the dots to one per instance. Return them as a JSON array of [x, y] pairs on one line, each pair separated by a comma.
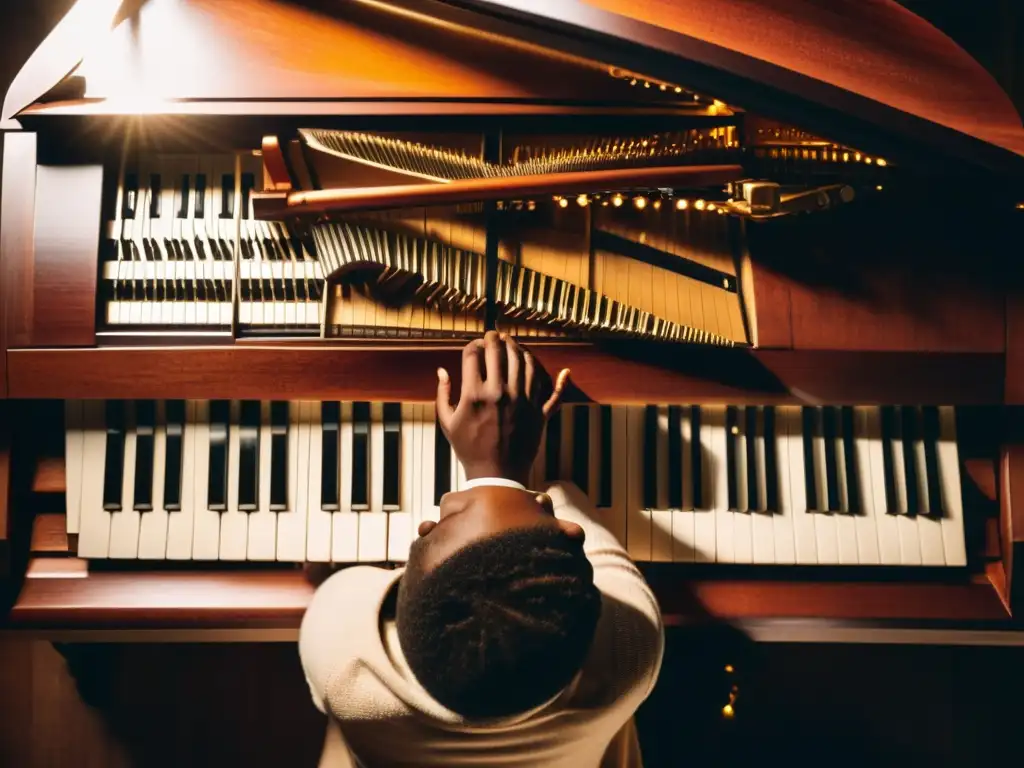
[[773, 308], [271, 206], [49, 534], [407, 373], [48, 476], [17, 240], [254, 598], [889, 81], [275, 168], [67, 237]]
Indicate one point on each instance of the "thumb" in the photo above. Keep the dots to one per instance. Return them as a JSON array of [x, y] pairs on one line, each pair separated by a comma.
[[445, 412], [556, 396]]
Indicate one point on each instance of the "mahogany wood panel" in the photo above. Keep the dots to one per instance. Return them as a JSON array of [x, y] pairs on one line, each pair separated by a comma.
[[49, 475], [67, 236], [773, 308], [277, 599], [17, 232], [49, 534], [614, 373], [888, 75], [269, 206]]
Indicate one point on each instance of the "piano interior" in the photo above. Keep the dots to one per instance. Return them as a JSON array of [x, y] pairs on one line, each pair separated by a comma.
[[794, 336]]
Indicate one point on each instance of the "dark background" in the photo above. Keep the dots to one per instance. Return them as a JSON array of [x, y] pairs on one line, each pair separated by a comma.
[[798, 705]]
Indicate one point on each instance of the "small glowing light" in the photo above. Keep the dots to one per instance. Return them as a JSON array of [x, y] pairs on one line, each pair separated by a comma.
[[682, 205], [604, 203], [531, 205], [643, 143], [582, 201], [563, 203], [617, 201], [735, 431], [643, 237], [1020, 206], [857, 157], [879, 188], [678, 89], [882, 162], [633, 81], [728, 667], [700, 205], [711, 206], [640, 203], [656, 205], [846, 157], [867, 161], [728, 712], [663, 87], [647, 84]]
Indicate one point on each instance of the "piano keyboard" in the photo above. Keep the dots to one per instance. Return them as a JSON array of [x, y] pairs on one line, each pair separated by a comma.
[[350, 482]]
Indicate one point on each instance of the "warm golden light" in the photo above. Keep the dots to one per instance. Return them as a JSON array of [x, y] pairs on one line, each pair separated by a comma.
[[656, 205], [879, 187], [711, 206], [682, 205], [728, 667], [882, 162], [728, 712], [678, 89], [563, 203], [617, 201], [640, 203], [735, 431], [582, 201], [531, 205], [700, 205]]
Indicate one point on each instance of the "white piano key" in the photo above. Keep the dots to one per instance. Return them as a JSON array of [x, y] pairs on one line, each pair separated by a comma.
[[320, 523], [124, 523], [153, 527], [929, 528], [373, 524], [594, 458], [742, 524], [804, 536], [431, 511], [704, 520], [263, 522], [716, 488], [415, 469], [783, 517], [94, 522], [824, 522], [762, 521], [291, 524], [867, 521], [345, 523], [910, 542], [949, 483], [74, 452], [400, 531], [234, 523], [662, 544], [638, 519], [179, 524], [617, 516], [886, 525], [845, 520], [684, 543], [206, 521]]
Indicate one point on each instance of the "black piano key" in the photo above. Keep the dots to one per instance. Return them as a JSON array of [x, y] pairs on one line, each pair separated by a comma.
[[696, 463], [830, 434], [930, 418], [650, 500], [227, 196], [145, 426], [392, 455], [850, 462], [248, 183], [605, 492], [810, 428], [553, 447], [771, 464], [154, 195], [910, 436], [249, 456], [754, 502], [175, 430], [113, 463], [675, 457], [200, 197], [183, 208], [330, 420], [442, 464], [217, 489], [731, 430], [581, 447], [278, 456], [888, 434], [360, 456]]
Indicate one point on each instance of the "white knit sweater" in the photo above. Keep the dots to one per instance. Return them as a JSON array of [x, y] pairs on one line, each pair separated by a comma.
[[379, 716]]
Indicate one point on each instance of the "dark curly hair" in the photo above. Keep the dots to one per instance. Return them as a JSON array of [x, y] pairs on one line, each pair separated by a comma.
[[502, 625]]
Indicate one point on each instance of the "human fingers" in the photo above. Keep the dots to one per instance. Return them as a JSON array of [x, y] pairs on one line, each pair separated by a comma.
[[555, 400], [516, 367], [445, 410], [494, 359], [472, 366]]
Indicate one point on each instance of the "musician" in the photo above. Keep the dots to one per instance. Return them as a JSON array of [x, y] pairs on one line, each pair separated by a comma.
[[518, 634]]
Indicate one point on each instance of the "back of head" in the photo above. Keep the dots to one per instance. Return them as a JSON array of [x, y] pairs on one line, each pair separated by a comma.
[[503, 624]]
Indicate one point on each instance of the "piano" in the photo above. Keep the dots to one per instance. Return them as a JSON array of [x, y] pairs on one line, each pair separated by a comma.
[[768, 240]]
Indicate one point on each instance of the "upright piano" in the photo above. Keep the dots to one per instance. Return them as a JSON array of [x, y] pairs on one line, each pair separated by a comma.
[[773, 240]]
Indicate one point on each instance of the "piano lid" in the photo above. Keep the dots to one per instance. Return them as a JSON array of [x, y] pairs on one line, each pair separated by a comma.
[[865, 73]]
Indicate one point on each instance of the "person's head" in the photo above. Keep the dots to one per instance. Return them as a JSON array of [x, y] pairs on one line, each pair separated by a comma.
[[497, 606]]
